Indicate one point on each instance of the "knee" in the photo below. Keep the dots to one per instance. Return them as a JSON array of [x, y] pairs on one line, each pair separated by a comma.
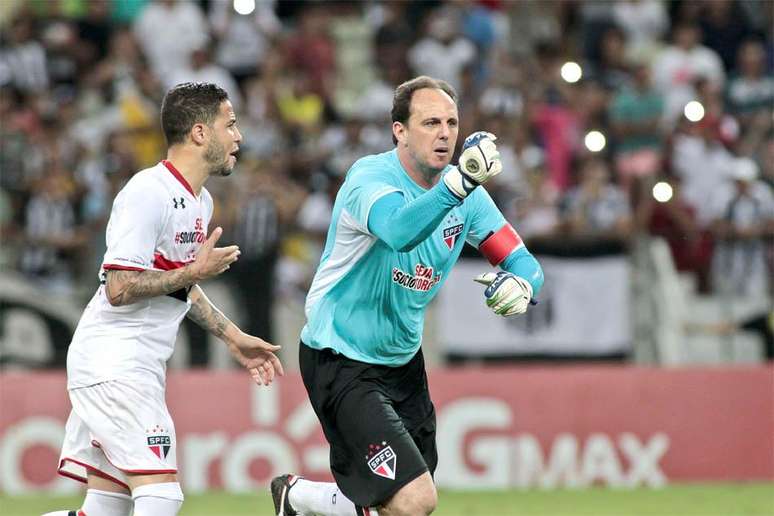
[[418, 502]]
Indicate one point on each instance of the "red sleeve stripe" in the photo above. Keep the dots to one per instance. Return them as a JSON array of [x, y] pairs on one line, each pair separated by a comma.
[[162, 263], [115, 267], [500, 244]]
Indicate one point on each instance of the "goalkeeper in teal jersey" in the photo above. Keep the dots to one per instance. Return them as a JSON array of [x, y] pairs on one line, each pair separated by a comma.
[[399, 223]]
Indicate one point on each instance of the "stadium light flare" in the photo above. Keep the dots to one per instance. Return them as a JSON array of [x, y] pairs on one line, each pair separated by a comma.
[[244, 7], [662, 191], [694, 111], [571, 72], [595, 141]]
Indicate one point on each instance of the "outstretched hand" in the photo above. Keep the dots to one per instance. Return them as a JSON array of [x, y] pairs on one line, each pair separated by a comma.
[[257, 356], [211, 260]]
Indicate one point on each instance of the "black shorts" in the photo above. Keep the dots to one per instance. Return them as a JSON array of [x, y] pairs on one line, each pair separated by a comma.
[[379, 422]]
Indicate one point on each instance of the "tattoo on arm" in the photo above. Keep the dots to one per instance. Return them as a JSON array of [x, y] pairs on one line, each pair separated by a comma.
[[204, 313], [126, 287]]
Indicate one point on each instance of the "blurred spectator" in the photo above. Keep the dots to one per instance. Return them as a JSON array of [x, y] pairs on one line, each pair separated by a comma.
[[310, 51], [611, 67], [259, 207], [701, 161], [80, 84], [677, 67], [242, 41], [596, 209], [51, 233], [635, 114], [767, 160], [675, 221], [94, 30], [346, 145], [518, 151], [352, 37], [750, 90], [393, 36], [743, 227], [169, 31], [201, 69], [644, 22], [478, 25], [22, 58], [724, 26], [530, 23], [442, 53], [300, 105], [537, 211], [375, 102]]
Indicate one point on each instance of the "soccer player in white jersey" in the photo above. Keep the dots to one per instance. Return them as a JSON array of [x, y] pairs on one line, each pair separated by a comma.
[[399, 223], [120, 438]]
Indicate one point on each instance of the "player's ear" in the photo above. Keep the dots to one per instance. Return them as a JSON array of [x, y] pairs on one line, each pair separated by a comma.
[[399, 131], [199, 133]]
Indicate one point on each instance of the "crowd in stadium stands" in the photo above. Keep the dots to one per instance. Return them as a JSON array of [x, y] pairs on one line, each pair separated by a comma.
[[312, 82]]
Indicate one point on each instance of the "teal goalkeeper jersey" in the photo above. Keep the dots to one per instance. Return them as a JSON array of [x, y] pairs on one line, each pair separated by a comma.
[[367, 301]]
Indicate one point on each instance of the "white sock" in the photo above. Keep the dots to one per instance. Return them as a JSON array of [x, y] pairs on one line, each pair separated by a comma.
[[101, 503], [106, 503], [324, 498], [163, 499]]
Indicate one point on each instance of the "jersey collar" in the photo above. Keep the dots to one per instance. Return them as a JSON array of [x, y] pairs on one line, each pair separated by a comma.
[[178, 176]]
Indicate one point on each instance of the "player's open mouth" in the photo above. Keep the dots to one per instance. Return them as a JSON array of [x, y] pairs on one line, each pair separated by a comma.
[[441, 152]]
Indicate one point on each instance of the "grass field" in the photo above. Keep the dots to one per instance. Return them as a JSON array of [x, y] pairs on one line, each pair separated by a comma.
[[683, 500]]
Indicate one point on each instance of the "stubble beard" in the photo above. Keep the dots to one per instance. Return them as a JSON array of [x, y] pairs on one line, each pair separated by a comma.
[[214, 156], [427, 171]]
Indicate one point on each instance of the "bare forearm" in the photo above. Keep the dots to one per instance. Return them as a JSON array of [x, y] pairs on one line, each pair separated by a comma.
[[126, 287], [207, 316]]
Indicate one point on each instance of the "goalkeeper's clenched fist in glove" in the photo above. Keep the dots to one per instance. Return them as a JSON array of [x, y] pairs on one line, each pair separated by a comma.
[[478, 163], [506, 294]]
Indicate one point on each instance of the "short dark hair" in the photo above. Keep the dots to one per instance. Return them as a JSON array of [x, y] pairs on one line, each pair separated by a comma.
[[401, 101], [188, 104]]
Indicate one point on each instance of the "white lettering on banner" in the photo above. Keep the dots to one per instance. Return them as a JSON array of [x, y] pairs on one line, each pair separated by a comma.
[[502, 461], [600, 462], [477, 447], [18, 438], [454, 423], [198, 452], [644, 459], [249, 447], [530, 470]]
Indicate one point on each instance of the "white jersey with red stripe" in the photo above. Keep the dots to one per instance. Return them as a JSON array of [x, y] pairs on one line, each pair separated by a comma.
[[157, 223]]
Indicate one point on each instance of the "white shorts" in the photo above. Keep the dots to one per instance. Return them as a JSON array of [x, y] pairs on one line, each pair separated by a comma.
[[116, 428]]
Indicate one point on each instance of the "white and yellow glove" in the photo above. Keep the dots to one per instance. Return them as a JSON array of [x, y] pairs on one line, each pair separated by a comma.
[[479, 162], [506, 294]]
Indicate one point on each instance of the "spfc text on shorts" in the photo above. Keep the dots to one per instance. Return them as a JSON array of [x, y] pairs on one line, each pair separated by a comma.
[[383, 463]]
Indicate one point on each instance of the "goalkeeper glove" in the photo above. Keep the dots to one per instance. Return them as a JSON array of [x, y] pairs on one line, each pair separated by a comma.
[[478, 163], [506, 294]]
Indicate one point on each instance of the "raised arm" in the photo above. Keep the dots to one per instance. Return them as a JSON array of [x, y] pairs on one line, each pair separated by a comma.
[[404, 225], [124, 287]]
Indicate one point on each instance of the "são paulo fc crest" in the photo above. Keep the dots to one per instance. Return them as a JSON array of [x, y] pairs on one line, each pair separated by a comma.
[[158, 443], [450, 235], [382, 460]]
